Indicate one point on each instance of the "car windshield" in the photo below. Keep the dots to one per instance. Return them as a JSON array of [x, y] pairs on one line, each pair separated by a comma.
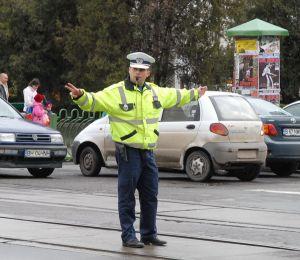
[[265, 108], [233, 108], [7, 111]]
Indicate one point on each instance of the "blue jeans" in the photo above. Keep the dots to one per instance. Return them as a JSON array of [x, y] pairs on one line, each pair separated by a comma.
[[29, 110], [137, 171]]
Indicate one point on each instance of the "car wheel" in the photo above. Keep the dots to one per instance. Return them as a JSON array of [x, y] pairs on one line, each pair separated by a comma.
[[89, 162], [283, 169], [40, 172], [198, 166], [249, 173]]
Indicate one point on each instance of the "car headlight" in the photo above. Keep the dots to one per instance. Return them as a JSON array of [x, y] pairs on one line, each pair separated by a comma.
[[56, 138], [6, 137]]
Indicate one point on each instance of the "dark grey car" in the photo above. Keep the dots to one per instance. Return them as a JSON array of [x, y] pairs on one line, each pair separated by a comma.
[[282, 136], [24, 144]]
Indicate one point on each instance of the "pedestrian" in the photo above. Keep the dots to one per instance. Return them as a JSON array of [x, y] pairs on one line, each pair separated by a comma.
[[134, 107], [48, 108], [3, 86], [29, 93], [39, 114]]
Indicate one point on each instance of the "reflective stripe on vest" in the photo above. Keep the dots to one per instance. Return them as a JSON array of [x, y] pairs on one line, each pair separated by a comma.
[[192, 95], [140, 146], [122, 95], [133, 122], [124, 100], [93, 103], [156, 103], [154, 96], [178, 97], [85, 101]]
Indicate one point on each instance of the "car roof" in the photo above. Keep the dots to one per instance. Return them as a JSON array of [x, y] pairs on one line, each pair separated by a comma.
[[291, 104], [220, 93]]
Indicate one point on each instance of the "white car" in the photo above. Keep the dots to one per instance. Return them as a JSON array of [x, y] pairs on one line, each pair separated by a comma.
[[220, 131]]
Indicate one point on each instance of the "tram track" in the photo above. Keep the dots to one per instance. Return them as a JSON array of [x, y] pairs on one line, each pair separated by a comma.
[[182, 202], [165, 234], [163, 215], [32, 242]]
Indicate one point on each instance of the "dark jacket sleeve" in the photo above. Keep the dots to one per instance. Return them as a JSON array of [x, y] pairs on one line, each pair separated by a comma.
[[2, 92]]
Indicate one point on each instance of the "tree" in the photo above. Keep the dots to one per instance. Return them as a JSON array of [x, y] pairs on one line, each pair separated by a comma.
[[86, 41], [96, 48], [286, 14], [30, 41], [185, 37]]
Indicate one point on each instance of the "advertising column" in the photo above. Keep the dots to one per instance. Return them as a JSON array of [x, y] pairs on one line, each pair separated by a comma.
[[257, 67]]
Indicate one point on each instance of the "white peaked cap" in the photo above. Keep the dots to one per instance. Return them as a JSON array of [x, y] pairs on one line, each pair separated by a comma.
[[140, 60]]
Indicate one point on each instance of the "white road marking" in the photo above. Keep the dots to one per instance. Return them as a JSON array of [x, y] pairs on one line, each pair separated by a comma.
[[279, 191]]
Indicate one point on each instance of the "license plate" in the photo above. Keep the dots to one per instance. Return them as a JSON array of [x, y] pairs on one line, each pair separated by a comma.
[[291, 132], [31, 153], [247, 154]]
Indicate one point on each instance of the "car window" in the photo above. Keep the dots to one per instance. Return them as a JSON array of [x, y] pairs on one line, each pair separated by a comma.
[[7, 111], [294, 109], [189, 112], [263, 107], [233, 108]]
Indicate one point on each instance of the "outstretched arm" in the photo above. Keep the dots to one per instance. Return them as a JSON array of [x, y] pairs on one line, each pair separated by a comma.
[[89, 101], [178, 97]]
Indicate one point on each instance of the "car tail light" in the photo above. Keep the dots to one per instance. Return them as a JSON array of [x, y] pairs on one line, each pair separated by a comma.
[[270, 129], [218, 129]]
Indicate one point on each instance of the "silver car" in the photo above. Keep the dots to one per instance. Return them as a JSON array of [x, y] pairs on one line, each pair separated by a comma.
[[220, 131]]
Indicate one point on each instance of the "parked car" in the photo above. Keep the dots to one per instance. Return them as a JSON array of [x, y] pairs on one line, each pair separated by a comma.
[[282, 136], [24, 144], [293, 108], [220, 131]]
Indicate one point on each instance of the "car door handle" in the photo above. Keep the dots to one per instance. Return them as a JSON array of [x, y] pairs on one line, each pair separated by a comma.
[[190, 126]]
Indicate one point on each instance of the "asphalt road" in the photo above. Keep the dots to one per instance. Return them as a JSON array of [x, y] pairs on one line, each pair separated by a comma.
[[222, 219]]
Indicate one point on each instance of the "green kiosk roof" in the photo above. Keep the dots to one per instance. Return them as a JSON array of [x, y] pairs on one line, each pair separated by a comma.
[[257, 27]]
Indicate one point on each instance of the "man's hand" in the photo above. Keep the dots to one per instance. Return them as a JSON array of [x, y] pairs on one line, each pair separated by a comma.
[[74, 92], [202, 90]]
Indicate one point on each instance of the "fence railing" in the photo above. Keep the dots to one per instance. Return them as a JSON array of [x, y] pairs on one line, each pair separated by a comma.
[[70, 124]]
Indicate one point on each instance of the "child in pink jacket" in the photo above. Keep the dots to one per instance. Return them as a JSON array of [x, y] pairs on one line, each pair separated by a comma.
[[39, 115]]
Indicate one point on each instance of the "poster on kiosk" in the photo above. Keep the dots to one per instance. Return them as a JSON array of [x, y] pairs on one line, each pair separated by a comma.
[[269, 69], [257, 67], [246, 66]]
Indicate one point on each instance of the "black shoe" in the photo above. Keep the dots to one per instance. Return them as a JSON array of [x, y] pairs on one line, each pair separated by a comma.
[[134, 243], [154, 241]]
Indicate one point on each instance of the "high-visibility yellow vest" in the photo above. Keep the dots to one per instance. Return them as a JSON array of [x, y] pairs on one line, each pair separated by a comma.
[[134, 114]]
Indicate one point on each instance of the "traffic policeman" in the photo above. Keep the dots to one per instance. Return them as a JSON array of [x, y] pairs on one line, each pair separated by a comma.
[[134, 107]]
